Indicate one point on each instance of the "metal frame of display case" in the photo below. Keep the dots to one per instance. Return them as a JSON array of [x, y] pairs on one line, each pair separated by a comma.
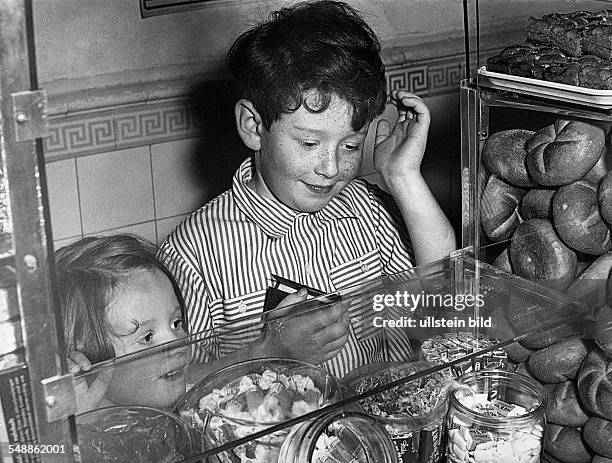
[[477, 96], [46, 393]]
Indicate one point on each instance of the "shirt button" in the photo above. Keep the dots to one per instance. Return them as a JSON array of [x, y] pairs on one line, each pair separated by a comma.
[[242, 307], [364, 267], [308, 270]]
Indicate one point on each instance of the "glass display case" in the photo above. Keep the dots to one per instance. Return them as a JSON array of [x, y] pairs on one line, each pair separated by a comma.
[[477, 363], [460, 316], [536, 156]]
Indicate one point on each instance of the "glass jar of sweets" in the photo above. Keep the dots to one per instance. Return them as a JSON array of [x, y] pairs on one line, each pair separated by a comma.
[[339, 437], [495, 416], [251, 396]]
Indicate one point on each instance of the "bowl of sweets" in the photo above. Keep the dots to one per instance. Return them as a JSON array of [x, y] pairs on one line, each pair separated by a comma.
[[249, 397]]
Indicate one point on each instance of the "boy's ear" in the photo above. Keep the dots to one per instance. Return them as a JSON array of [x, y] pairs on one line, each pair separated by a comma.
[[248, 123]]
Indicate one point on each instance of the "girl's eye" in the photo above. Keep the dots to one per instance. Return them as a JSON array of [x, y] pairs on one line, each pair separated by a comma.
[[178, 323], [146, 339]]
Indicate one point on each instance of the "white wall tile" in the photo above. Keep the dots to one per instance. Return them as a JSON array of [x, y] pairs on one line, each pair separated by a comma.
[[63, 198], [65, 242], [177, 188], [145, 230], [166, 226], [115, 189]]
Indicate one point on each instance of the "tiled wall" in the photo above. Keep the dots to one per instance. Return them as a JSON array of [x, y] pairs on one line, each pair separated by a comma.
[[142, 167]]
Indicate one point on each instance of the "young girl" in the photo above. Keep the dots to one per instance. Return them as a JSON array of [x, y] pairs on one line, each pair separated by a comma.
[[116, 298]]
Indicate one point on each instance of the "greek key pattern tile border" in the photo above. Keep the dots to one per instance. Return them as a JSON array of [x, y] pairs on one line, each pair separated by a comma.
[[127, 126]]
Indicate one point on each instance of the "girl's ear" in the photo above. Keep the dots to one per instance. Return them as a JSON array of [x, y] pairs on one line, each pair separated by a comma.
[[248, 123]]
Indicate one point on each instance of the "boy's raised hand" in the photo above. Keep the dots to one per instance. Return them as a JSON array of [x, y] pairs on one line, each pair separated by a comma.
[[398, 151], [88, 396], [314, 337]]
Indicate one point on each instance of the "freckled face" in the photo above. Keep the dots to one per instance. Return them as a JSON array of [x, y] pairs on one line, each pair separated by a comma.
[[307, 158]]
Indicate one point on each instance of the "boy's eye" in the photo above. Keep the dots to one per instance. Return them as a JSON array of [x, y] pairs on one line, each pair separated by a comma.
[[308, 143], [178, 323], [352, 146]]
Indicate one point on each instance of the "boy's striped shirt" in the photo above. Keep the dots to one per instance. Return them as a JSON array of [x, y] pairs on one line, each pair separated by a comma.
[[223, 256]]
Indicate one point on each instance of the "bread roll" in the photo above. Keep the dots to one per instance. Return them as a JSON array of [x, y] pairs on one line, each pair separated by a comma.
[[537, 204], [598, 172], [590, 287], [601, 459], [498, 209], [504, 155], [603, 329], [565, 443], [503, 330], [604, 195], [502, 261], [563, 406], [523, 369], [597, 434], [558, 362], [564, 152], [595, 384], [537, 252], [577, 219]]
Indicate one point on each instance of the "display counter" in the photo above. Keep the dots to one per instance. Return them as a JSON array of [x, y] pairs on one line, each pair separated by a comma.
[[461, 316]]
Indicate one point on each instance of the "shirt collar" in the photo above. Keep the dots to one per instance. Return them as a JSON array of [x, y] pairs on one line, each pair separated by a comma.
[[272, 216]]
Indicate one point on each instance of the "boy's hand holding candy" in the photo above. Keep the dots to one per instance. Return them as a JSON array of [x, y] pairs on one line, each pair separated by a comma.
[[313, 336]]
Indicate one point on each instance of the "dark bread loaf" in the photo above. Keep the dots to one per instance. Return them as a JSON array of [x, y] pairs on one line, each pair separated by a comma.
[[565, 443], [526, 60], [597, 41], [604, 195], [504, 155], [537, 252], [558, 362], [577, 219], [564, 152], [597, 433], [595, 384], [498, 209], [537, 204], [564, 30], [563, 406]]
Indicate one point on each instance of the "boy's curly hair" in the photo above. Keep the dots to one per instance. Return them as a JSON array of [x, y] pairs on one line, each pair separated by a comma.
[[323, 46]]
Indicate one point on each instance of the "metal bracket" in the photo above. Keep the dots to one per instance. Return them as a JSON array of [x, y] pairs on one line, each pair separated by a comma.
[[30, 115], [60, 397]]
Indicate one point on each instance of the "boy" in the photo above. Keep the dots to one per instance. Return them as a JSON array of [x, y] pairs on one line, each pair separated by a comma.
[[310, 81]]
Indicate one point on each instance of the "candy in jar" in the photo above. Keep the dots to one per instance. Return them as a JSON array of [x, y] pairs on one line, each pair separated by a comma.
[[496, 416]]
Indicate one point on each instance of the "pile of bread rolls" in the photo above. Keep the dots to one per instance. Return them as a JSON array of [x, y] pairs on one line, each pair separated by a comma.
[[577, 375], [548, 193]]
